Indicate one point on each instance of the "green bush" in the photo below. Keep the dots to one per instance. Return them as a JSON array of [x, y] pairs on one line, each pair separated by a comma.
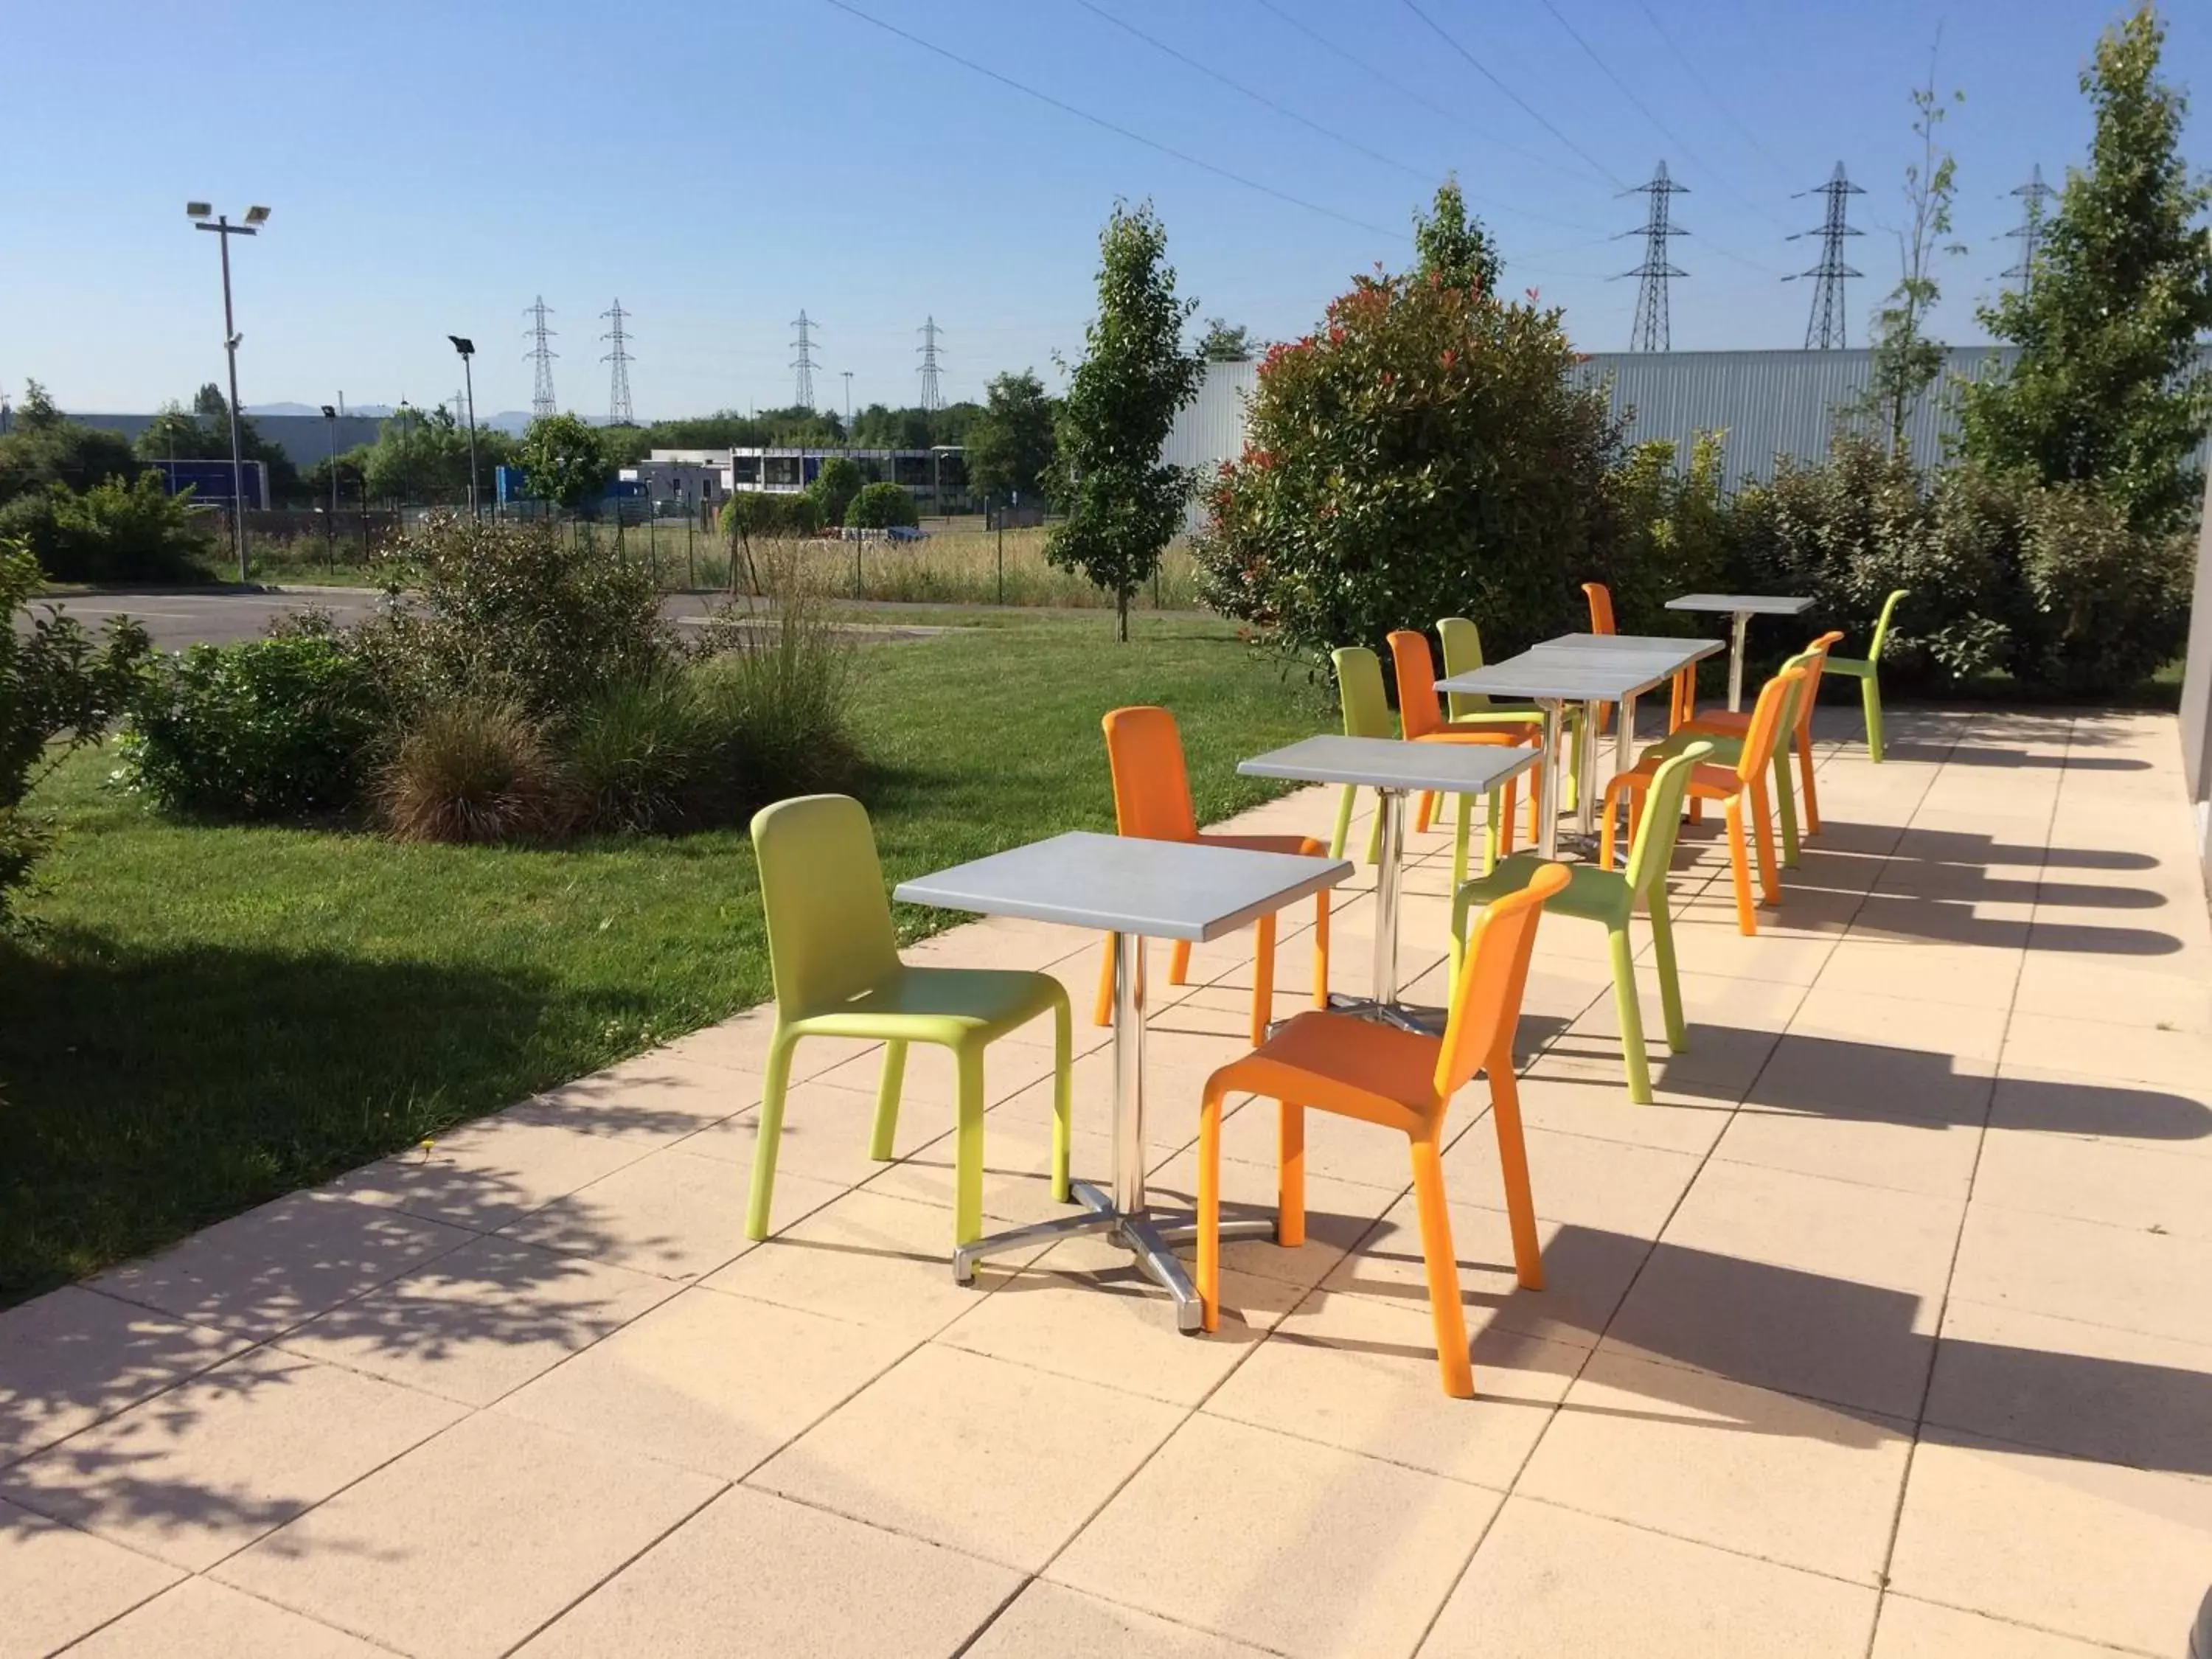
[[778, 692], [881, 506], [1662, 531], [113, 532], [472, 768], [1422, 455], [2111, 602], [834, 487], [751, 512], [264, 729], [647, 755]]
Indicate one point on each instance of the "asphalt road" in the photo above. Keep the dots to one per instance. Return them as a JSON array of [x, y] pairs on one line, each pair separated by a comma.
[[178, 618]]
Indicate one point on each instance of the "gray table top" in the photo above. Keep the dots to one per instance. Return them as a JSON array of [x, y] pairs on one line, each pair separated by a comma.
[[1573, 675], [1757, 605], [1455, 769], [1122, 884], [1631, 643]]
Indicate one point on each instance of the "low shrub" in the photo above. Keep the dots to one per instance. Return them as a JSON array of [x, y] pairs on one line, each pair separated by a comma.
[[112, 531], [472, 769], [834, 487], [881, 506], [277, 727], [778, 689], [647, 755], [2111, 602], [756, 513]]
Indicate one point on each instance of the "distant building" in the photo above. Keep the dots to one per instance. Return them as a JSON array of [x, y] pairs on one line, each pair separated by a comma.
[[938, 478], [305, 439]]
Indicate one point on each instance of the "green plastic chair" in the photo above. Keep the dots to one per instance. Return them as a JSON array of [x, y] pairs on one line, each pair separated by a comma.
[[835, 965], [1609, 897], [1462, 643], [1866, 672], [1367, 714], [1727, 750]]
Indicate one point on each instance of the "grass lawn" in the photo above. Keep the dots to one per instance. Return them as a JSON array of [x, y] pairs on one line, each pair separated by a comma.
[[208, 1017]]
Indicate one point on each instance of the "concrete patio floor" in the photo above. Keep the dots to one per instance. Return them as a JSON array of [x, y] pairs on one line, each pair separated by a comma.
[[1888, 1331]]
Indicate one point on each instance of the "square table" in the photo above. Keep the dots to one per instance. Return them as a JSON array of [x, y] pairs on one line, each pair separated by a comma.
[[1553, 675], [1134, 889], [1394, 769], [1743, 607]]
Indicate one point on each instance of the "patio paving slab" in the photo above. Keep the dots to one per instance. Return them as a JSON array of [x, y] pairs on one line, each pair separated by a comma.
[[1049, 1619], [72, 1357], [57, 1583], [202, 1619]]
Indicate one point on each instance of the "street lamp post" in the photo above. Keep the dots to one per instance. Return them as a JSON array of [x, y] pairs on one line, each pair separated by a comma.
[[468, 350], [331, 427], [205, 216], [847, 374]]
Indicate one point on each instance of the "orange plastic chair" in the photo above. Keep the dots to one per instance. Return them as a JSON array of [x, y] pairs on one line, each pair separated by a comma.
[[1400, 1080], [1740, 789], [1152, 800], [1421, 717], [1721, 723], [1682, 695]]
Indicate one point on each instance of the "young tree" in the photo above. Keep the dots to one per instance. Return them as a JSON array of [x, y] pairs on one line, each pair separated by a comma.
[[1010, 446], [1905, 361], [562, 461], [835, 485], [1124, 502], [1223, 342], [1452, 244], [2104, 392]]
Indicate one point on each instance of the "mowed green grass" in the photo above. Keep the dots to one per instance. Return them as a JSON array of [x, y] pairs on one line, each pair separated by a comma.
[[204, 1019]]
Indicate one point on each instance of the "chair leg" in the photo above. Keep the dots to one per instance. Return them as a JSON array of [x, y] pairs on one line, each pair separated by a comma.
[[1290, 1175], [1425, 811], [1209, 1205], [1870, 701], [1102, 1012], [1459, 833], [1536, 811], [1670, 982], [1573, 791], [1375, 831], [1807, 788], [1179, 963], [1063, 1074], [1769, 881], [1491, 835], [1263, 976], [1785, 800], [1747, 922], [1631, 1015], [1461, 905], [1343, 822], [887, 1103], [1513, 1163], [1441, 1262], [968, 1147], [1505, 816], [774, 1087], [1320, 948]]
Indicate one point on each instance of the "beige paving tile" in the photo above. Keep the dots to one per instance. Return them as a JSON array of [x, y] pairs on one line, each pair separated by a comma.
[[1904, 1020], [1340, 1148], [480, 1320], [1017, 1170], [485, 1174], [70, 1357], [1974, 977], [1548, 1583], [2128, 1278], [1047, 1619], [826, 1133], [259, 1273], [1339, 1214], [810, 1586], [1296, 1546], [654, 1098], [1715, 947], [2122, 1184], [996, 1460], [2154, 991], [2058, 1103], [1360, 1374], [202, 1619], [2106, 1554], [1921, 1630], [1914, 918], [1586, 1270], [930, 1085], [667, 1214], [216, 1462], [57, 1582], [465, 1545], [2063, 1385], [2130, 1054], [1921, 1155], [1865, 1078], [1576, 1101], [1720, 1462], [1822, 1288], [1607, 1184], [871, 1259]]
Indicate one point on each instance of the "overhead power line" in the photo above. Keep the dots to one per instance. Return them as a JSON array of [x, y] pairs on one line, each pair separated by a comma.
[[1529, 109], [1114, 127], [1457, 118], [1759, 146]]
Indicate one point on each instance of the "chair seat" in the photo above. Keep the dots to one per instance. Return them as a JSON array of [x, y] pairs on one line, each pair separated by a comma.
[[1301, 844], [1720, 723], [1857, 668], [1726, 749], [1341, 1063], [951, 1006], [1707, 781], [1593, 894], [1509, 736]]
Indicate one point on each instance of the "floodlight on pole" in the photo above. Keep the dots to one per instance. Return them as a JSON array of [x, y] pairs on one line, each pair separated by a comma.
[[204, 217], [467, 348]]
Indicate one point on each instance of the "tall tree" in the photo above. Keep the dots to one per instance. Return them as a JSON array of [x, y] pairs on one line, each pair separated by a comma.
[[563, 461], [1905, 360], [1225, 341], [2104, 389], [1453, 246], [1010, 445], [1124, 502], [48, 447]]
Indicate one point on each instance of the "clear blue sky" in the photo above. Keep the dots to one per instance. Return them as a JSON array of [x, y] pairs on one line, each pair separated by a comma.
[[433, 166]]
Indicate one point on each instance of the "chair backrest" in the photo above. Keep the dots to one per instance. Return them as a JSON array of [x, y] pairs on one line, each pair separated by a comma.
[[1359, 688], [1151, 790], [1815, 659], [1769, 722], [1419, 710], [1462, 643], [1601, 606], [1881, 624], [1486, 996], [1653, 849], [828, 919]]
